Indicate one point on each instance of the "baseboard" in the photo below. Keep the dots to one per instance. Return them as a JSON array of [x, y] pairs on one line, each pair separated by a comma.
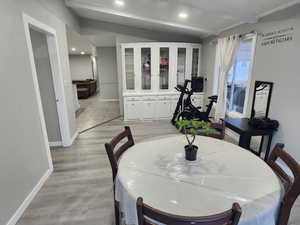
[[17, 215], [74, 137], [71, 141], [109, 100], [55, 144]]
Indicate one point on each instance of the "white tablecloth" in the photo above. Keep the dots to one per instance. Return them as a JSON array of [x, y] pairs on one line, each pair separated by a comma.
[[224, 173]]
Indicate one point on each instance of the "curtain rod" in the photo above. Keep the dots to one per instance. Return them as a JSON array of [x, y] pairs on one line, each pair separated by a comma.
[[215, 40]]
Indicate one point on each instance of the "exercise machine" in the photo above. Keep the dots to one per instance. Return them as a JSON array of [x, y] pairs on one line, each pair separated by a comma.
[[185, 108]]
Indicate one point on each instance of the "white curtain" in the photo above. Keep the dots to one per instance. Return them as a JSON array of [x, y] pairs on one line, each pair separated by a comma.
[[225, 56]]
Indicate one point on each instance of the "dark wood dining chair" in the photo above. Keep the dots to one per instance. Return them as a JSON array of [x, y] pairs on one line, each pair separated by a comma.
[[219, 132], [292, 184], [146, 213], [114, 156]]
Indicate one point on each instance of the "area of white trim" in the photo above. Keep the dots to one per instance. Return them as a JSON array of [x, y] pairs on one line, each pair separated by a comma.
[[14, 219], [58, 82], [72, 139], [109, 100], [28, 21], [55, 143], [59, 88], [231, 26]]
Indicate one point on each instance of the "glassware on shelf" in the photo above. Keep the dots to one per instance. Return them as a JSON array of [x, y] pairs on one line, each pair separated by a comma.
[[181, 63], [146, 68], [164, 68], [129, 68]]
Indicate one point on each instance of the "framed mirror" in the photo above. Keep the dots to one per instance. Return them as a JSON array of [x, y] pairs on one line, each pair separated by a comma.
[[261, 99]]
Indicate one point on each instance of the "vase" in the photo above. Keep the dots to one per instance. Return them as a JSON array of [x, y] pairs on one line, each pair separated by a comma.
[[191, 152]]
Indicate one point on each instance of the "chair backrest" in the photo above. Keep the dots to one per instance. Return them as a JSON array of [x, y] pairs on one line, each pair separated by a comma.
[[146, 214], [293, 184], [113, 154], [220, 130]]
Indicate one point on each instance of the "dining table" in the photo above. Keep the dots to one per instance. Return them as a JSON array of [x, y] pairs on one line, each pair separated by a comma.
[[223, 173]]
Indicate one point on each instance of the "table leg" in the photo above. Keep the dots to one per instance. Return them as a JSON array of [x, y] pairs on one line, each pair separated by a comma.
[[261, 145], [268, 147], [245, 141]]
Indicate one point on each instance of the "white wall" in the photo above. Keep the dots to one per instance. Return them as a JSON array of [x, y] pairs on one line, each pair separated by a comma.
[[108, 76], [81, 67], [276, 63], [23, 156]]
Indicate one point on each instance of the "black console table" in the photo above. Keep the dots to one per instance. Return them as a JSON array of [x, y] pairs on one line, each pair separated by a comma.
[[241, 126]]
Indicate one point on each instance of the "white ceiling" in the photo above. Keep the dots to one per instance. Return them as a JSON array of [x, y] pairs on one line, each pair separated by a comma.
[[206, 17], [86, 43], [103, 40], [81, 43]]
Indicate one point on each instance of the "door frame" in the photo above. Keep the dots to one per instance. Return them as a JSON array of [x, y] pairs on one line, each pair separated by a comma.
[[58, 83]]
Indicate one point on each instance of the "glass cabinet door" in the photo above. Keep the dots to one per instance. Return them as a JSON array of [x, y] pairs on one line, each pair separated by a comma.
[[146, 68], [164, 68], [129, 68], [195, 62], [181, 64]]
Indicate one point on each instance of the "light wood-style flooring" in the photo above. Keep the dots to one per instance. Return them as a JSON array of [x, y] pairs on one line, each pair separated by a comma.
[[79, 192]]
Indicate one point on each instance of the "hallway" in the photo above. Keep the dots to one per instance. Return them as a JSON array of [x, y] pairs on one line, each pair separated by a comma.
[[96, 110]]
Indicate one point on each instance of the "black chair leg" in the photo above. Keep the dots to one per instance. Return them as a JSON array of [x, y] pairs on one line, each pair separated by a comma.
[[117, 213]]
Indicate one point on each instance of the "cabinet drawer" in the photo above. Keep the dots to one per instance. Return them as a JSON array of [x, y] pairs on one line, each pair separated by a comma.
[[131, 98], [176, 97], [132, 110], [148, 98], [163, 109], [147, 110], [163, 98]]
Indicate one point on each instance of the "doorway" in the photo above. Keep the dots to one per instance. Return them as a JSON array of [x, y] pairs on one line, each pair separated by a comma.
[[48, 83], [95, 95], [46, 86]]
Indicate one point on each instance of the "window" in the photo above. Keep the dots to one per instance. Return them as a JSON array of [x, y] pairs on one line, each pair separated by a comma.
[[238, 80]]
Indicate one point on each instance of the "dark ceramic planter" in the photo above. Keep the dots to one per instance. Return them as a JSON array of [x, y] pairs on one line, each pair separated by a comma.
[[191, 152]]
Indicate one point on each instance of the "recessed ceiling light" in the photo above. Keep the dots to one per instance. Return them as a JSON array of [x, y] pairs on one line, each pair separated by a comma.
[[82, 53], [119, 3], [73, 49], [183, 15]]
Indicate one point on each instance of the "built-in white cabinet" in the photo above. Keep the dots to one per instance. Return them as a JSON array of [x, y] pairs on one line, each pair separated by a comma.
[[150, 71]]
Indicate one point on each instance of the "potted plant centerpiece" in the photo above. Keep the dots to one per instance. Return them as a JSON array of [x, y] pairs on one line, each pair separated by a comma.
[[190, 128]]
